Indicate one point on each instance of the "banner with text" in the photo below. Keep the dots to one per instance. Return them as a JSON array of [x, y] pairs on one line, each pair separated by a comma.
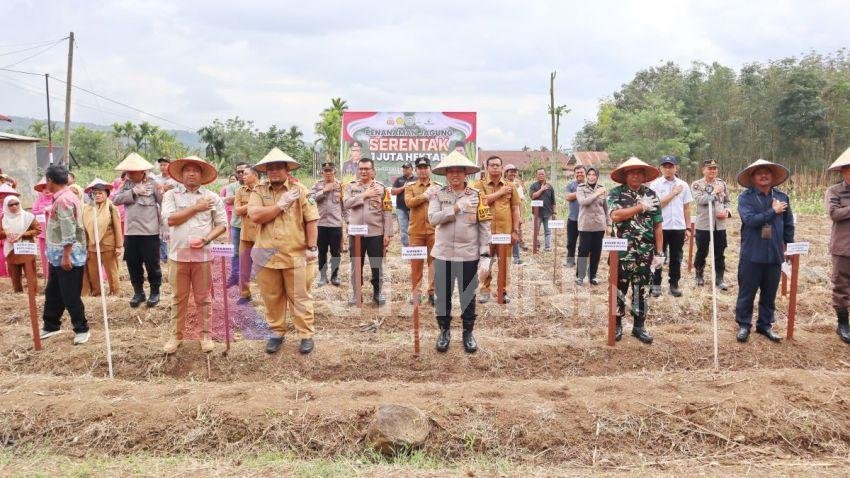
[[392, 139]]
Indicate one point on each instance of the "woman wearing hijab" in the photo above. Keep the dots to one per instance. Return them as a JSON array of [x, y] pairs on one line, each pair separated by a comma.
[[592, 222], [18, 225], [5, 191], [101, 209]]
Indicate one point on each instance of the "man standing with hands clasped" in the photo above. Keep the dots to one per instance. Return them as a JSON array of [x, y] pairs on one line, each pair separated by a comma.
[[767, 224], [719, 197], [328, 196], [285, 249], [421, 231], [675, 197]]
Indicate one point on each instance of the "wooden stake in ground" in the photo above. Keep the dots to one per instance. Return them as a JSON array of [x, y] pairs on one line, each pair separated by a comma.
[[358, 272], [709, 190], [103, 299], [613, 246], [794, 250], [536, 210], [502, 279], [226, 312], [554, 225], [417, 255], [29, 248]]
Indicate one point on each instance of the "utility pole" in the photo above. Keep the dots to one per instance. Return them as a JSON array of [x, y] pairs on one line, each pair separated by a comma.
[[555, 113], [67, 152], [49, 126]]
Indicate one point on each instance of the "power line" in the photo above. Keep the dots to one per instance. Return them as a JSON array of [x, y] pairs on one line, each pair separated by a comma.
[[23, 50], [187, 127], [42, 42], [34, 54]]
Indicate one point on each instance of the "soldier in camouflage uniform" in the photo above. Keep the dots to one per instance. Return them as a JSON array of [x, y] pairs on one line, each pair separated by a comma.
[[636, 216]]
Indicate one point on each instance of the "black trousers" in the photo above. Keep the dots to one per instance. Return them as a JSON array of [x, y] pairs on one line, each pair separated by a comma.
[[756, 277], [329, 238], [674, 242], [374, 248], [64, 292], [638, 304], [703, 240], [572, 237], [446, 273], [589, 247], [142, 251]]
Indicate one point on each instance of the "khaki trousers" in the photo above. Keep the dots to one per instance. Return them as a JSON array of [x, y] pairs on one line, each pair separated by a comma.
[[416, 266], [282, 288], [245, 265], [186, 278], [91, 278]]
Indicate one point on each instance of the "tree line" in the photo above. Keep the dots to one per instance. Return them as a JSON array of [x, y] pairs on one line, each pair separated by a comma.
[[795, 111]]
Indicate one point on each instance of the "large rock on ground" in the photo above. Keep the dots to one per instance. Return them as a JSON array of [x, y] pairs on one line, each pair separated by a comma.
[[397, 428]]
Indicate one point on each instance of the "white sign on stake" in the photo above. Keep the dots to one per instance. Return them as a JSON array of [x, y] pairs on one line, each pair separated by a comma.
[[414, 252], [557, 224], [41, 218], [25, 248], [537, 203], [221, 250], [794, 248], [500, 239], [615, 244], [358, 229]]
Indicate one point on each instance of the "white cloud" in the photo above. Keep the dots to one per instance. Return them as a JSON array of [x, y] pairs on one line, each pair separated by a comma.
[[282, 62]]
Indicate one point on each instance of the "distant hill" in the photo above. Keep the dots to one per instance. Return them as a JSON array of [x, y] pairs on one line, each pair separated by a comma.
[[189, 139]]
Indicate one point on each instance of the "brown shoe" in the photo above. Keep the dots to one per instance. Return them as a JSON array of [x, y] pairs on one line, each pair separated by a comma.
[[207, 345], [171, 346]]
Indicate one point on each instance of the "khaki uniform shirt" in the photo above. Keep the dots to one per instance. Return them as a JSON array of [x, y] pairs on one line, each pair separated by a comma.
[[376, 212], [721, 203], [417, 202], [330, 204], [282, 242], [502, 208], [463, 236], [838, 205], [249, 227], [199, 225]]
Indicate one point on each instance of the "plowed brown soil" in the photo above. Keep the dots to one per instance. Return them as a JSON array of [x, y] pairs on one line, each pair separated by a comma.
[[544, 394]]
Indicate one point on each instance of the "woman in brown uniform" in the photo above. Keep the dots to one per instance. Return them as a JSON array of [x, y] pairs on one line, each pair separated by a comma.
[[102, 210]]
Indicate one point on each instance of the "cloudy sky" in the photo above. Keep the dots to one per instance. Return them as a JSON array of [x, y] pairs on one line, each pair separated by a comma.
[[281, 62]]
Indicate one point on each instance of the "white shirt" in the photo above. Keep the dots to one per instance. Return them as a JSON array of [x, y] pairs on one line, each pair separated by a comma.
[[673, 212]]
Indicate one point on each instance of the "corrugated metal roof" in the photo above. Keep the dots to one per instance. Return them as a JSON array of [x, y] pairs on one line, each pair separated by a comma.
[[524, 159], [597, 159], [4, 136]]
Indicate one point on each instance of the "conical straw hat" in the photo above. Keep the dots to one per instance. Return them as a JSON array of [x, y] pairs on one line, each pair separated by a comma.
[[618, 175], [277, 156], [780, 173], [41, 184], [6, 190], [208, 172], [455, 160], [98, 183], [843, 160], [134, 162]]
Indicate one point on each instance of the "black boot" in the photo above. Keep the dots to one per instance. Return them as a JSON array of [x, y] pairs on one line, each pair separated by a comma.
[[843, 325], [675, 291], [640, 332], [154, 298], [618, 330], [323, 280], [443, 339], [720, 283], [138, 298], [700, 278], [470, 346], [334, 278]]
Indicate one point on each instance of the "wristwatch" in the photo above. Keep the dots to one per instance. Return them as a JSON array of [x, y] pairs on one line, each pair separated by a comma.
[[206, 241], [486, 254], [312, 248]]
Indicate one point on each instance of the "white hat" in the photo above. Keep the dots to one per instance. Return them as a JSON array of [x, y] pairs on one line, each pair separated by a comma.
[[277, 156], [843, 160], [780, 173], [134, 162], [618, 175], [456, 160]]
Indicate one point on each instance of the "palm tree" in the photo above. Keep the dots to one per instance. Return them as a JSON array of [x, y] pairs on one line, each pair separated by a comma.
[[215, 143], [38, 129], [329, 127]]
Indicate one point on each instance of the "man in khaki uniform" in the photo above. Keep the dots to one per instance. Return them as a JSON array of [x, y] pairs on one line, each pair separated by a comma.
[[248, 234], [838, 206], [285, 248], [420, 231], [195, 217], [461, 250], [503, 200], [328, 196], [367, 202]]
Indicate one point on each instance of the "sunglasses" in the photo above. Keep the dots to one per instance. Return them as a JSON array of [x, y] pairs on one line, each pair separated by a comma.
[[13, 204]]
